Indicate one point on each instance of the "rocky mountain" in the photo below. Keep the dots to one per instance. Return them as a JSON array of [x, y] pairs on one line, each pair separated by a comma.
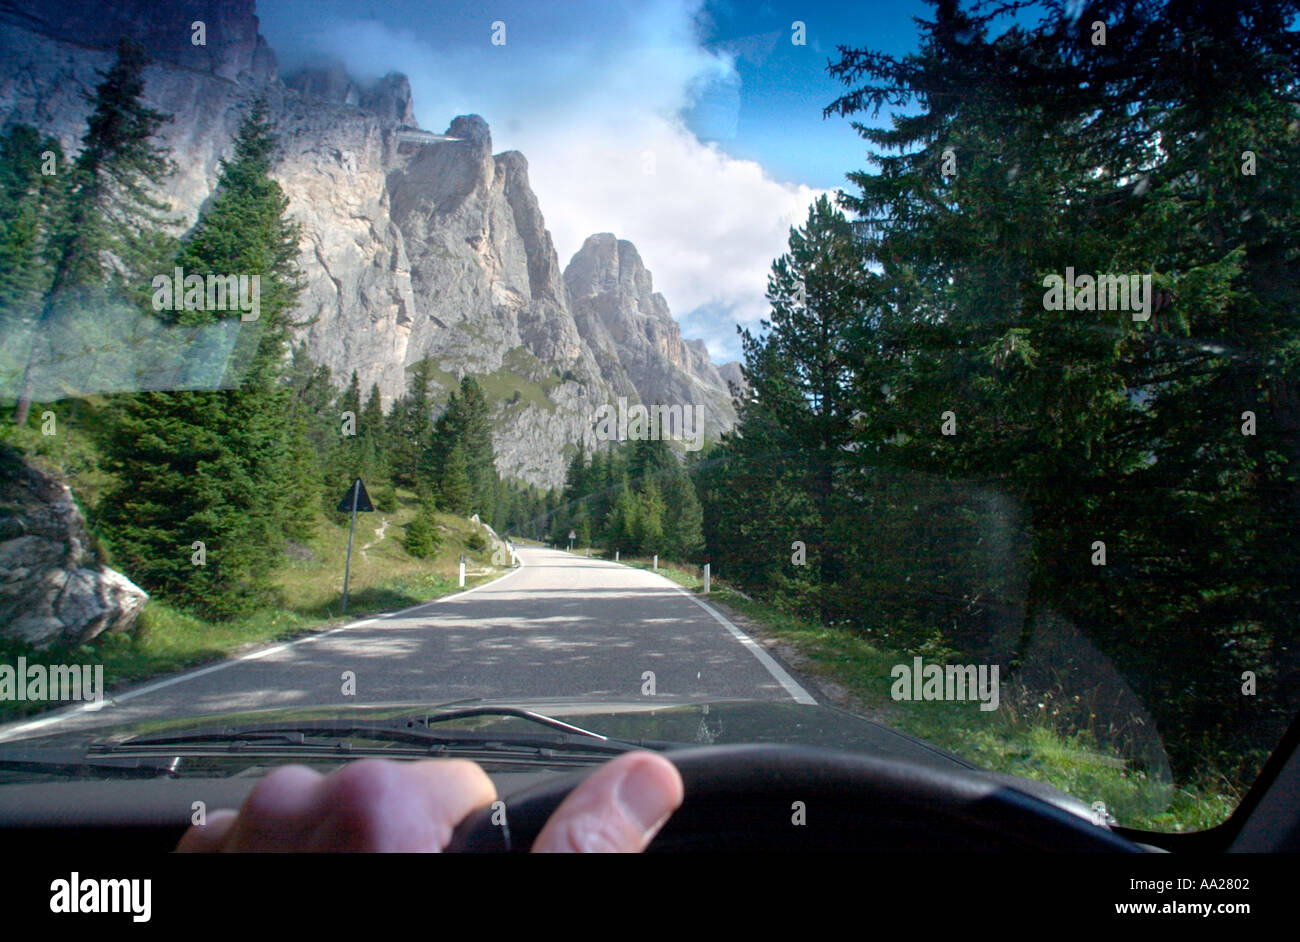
[[620, 315], [415, 245]]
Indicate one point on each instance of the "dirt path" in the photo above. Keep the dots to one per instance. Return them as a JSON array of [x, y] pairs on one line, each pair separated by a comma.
[[379, 535]]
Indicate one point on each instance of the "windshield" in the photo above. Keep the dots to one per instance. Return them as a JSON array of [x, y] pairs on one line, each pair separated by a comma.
[[936, 363]]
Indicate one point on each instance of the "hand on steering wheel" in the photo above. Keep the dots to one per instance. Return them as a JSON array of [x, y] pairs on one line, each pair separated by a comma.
[[383, 805]]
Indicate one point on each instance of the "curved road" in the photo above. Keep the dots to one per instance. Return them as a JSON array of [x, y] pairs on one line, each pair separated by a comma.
[[559, 626]]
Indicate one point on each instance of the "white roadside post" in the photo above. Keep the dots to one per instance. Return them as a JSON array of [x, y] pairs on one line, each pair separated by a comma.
[[706, 578], [462, 570], [615, 555], [656, 562]]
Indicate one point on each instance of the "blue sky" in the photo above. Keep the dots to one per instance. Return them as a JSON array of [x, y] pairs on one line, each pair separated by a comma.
[[691, 128]]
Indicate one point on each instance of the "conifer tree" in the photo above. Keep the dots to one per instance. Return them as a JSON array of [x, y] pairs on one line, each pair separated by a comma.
[[410, 426], [107, 207], [454, 493], [222, 467]]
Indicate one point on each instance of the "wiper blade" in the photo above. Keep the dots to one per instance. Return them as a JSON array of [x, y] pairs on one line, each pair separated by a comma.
[[76, 762], [541, 718], [333, 736]]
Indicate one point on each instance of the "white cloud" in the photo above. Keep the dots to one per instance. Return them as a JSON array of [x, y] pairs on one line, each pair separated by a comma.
[[585, 114], [707, 225]]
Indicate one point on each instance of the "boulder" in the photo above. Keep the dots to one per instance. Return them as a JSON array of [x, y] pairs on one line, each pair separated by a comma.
[[54, 589]]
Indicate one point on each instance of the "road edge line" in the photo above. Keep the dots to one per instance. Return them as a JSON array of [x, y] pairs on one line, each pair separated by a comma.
[[9, 731], [781, 675]]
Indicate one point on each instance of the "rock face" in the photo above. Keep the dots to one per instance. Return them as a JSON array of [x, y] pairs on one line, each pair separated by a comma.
[[53, 588], [622, 317], [231, 47], [415, 245]]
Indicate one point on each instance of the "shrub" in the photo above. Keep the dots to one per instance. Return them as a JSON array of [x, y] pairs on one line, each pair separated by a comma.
[[422, 536]]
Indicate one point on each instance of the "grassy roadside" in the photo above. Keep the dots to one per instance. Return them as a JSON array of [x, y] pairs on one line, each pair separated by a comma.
[[853, 672], [383, 578]]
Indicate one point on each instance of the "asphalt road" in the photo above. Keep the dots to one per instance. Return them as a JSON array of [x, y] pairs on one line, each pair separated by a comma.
[[559, 626]]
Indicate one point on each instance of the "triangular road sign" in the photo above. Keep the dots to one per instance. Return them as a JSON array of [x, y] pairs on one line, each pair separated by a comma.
[[363, 499]]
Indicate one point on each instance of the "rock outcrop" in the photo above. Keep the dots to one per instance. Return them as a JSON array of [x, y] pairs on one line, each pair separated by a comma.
[[54, 589], [621, 316], [414, 245]]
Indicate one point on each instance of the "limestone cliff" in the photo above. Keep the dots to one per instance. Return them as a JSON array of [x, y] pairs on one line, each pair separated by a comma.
[[415, 245]]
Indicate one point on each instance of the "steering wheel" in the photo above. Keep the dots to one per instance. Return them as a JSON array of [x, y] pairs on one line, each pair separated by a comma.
[[756, 798]]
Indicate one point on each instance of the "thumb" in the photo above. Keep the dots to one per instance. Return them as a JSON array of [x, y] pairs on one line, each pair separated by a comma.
[[617, 809]]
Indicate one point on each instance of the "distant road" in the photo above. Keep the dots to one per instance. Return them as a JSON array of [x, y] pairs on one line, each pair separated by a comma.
[[561, 626]]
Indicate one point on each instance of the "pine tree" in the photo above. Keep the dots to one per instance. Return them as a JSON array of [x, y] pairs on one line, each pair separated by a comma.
[[683, 517], [409, 430], [31, 201], [350, 401], [454, 494], [467, 422], [575, 481], [649, 458], [423, 537], [312, 392], [108, 207], [622, 526], [223, 467], [648, 531], [1093, 421], [371, 423]]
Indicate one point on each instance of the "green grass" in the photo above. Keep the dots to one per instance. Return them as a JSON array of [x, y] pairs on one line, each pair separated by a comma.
[[999, 740], [521, 373], [384, 578]]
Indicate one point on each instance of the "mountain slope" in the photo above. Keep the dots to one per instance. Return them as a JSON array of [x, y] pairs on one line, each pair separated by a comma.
[[414, 245]]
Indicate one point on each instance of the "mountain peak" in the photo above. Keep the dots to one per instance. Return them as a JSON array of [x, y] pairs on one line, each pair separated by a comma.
[[472, 128], [389, 98], [416, 247]]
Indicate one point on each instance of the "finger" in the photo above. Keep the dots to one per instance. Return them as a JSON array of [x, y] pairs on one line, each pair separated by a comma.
[[209, 836], [619, 808], [376, 805], [278, 813]]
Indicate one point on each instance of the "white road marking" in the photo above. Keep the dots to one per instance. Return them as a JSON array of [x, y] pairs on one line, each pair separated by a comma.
[[12, 731], [792, 686]]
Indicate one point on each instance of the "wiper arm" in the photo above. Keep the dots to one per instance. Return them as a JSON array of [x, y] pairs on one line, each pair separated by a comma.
[[541, 718], [76, 762], [332, 737]]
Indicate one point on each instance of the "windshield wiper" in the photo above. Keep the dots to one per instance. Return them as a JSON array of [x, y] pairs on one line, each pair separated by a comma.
[[76, 762], [333, 737], [541, 718], [414, 728]]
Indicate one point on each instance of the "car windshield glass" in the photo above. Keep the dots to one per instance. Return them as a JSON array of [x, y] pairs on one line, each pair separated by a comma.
[[919, 379]]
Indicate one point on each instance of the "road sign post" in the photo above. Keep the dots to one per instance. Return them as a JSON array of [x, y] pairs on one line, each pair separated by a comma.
[[355, 499], [572, 536]]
